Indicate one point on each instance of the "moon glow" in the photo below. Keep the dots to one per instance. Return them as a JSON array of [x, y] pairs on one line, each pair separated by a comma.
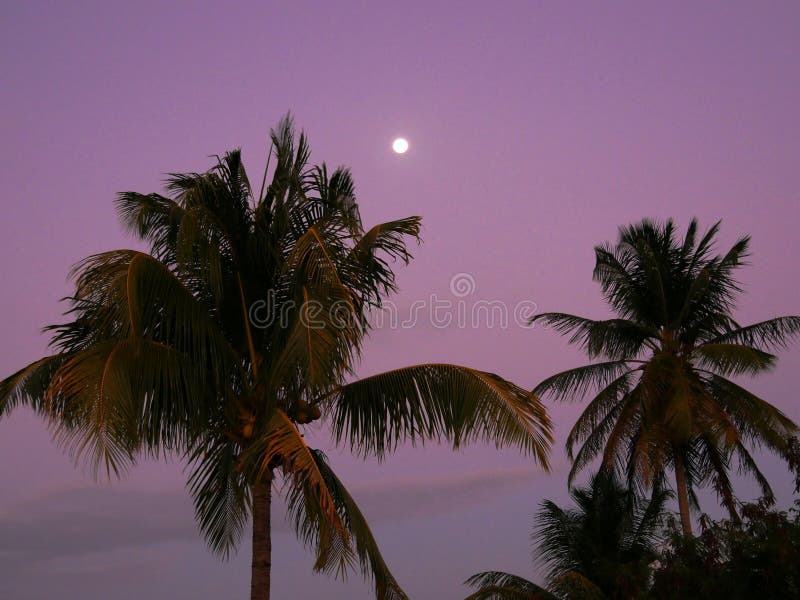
[[400, 146]]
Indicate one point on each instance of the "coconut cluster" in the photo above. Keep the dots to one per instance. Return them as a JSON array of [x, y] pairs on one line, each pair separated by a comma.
[[304, 413]]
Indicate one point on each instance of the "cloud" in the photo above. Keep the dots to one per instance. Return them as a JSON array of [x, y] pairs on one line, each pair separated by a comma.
[[86, 520], [93, 528], [413, 497]]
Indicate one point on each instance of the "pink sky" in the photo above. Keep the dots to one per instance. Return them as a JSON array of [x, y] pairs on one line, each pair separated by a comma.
[[536, 129]]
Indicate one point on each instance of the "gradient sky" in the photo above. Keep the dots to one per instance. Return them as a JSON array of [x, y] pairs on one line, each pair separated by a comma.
[[536, 129]]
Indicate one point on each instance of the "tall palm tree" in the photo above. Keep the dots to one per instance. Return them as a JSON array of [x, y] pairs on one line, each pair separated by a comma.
[[600, 550], [664, 395], [243, 324]]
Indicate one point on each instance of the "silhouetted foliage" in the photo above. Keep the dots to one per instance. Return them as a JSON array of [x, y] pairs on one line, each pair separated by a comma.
[[600, 549], [757, 556]]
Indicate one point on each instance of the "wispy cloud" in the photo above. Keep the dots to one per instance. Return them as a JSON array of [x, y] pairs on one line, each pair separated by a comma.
[[411, 497], [91, 519], [71, 529]]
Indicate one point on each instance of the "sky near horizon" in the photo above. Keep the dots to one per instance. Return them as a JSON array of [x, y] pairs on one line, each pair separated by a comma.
[[536, 129]]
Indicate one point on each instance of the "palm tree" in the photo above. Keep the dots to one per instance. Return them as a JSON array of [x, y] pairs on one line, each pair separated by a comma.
[[602, 549], [664, 397], [243, 324]]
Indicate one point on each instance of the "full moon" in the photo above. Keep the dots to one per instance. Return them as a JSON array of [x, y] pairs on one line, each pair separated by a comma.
[[400, 145]]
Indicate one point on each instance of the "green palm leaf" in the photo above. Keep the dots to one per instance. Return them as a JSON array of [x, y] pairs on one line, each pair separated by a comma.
[[361, 539], [733, 359], [220, 492], [29, 385], [438, 401]]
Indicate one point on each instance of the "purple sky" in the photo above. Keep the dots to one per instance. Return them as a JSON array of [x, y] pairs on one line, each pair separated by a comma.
[[536, 129]]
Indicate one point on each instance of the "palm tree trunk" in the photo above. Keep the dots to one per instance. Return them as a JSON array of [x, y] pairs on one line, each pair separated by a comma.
[[683, 493], [262, 540]]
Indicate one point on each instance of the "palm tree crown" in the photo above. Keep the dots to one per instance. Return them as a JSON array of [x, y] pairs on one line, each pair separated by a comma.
[[600, 549], [664, 390], [243, 323]]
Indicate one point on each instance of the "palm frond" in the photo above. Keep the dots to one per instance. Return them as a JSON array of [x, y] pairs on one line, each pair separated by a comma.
[[367, 269], [573, 584], [496, 585], [438, 401], [90, 402], [152, 218], [747, 465], [131, 293], [220, 492], [575, 383], [774, 333], [29, 385], [555, 530], [598, 410], [757, 420], [649, 520], [120, 396], [282, 446], [715, 465], [733, 359], [593, 443], [614, 338], [321, 342], [361, 539]]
